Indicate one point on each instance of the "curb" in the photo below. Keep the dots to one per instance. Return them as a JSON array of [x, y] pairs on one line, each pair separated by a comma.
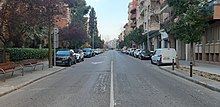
[[29, 82], [193, 80]]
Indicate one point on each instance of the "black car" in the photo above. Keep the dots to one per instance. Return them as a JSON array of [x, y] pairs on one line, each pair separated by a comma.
[[145, 54], [65, 57]]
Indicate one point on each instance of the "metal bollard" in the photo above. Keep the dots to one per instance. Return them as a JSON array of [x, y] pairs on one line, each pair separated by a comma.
[[191, 65], [173, 64]]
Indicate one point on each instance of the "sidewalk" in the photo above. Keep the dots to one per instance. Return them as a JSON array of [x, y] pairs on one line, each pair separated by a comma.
[[209, 68], [17, 81], [200, 67]]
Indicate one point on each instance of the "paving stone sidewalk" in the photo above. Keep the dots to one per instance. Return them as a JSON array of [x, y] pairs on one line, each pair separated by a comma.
[[17, 81], [202, 67]]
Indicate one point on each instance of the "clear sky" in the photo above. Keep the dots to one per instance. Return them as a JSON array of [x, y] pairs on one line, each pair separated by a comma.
[[111, 15]]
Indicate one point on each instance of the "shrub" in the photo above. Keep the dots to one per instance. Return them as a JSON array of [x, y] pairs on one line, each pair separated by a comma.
[[17, 54]]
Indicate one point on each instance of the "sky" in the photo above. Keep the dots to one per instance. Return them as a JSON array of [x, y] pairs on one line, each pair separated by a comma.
[[112, 15]]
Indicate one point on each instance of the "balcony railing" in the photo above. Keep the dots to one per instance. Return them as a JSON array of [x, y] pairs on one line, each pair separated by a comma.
[[164, 4]]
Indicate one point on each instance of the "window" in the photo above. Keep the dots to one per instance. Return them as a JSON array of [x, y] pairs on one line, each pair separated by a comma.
[[218, 33]]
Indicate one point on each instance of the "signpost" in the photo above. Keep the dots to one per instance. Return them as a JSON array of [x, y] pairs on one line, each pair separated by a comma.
[[55, 42]]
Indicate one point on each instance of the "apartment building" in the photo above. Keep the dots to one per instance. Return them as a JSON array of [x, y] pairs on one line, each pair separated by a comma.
[[127, 26], [140, 13], [133, 14], [151, 23], [155, 16], [208, 50], [63, 20], [121, 36]]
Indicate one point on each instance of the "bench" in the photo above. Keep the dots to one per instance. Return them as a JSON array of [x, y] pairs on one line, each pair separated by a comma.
[[31, 63], [9, 67]]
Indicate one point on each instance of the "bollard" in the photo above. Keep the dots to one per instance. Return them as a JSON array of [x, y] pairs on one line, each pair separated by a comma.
[[173, 64], [191, 65]]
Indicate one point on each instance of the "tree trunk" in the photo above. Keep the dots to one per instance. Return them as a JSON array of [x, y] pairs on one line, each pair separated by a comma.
[[192, 53], [4, 54]]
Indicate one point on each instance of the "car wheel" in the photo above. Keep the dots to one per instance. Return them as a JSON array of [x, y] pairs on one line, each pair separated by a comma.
[[69, 63], [141, 58], [151, 61], [75, 61], [158, 63]]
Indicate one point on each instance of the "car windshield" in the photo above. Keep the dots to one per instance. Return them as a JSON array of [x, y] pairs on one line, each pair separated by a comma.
[[109, 53]]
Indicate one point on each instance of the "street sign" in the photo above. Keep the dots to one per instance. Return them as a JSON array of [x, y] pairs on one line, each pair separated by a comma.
[[55, 42]]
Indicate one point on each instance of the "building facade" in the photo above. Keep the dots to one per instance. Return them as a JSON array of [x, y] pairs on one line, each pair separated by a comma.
[[64, 20], [155, 16], [208, 50]]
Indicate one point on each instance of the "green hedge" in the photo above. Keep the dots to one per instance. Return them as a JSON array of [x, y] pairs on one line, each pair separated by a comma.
[[17, 54]]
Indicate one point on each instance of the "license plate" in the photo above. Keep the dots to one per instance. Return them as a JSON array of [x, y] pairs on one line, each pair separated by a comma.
[[58, 61], [166, 58]]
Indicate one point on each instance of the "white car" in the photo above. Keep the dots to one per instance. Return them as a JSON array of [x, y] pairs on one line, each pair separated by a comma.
[[164, 56], [79, 55], [136, 53]]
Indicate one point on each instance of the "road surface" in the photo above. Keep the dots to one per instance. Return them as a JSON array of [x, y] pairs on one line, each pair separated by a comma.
[[112, 79]]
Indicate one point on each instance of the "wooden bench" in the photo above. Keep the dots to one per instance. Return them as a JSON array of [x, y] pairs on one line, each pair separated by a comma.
[[31, 63], [9, 67]]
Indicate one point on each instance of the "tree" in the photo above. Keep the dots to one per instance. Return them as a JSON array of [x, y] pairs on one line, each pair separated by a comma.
[[192, 21], [98, 43], [135, 36], [93, 30], [18, 17], [76, 33]]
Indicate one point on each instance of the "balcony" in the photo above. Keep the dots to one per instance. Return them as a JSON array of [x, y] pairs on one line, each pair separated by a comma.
[[133, 11], [216, 11], [133, 17], [133, 24], [142, 12], [164, 7], [214, 7]]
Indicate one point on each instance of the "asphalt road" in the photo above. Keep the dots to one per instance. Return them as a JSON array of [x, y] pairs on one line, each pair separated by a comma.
[[112, 79]]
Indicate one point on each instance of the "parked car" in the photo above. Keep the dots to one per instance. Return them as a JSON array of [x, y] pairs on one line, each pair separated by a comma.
[[132, 51], [87, 52], [136, 53], [65, 57], [79, 55], [164, 56], [97, 51], [93, 52], [145, 54]]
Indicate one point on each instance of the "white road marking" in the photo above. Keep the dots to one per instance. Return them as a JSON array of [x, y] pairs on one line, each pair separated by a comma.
[[112, 104], [96, 63]]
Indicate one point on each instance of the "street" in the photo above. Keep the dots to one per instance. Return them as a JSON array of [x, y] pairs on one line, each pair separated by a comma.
[[112, 79]]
